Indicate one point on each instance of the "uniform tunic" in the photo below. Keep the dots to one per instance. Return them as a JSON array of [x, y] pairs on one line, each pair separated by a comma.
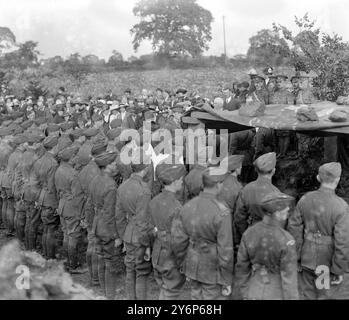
[[267, 262], [248, 207], [320, 226], [202, 240]]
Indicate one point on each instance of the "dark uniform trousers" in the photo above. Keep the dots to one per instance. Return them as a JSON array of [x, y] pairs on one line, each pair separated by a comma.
[[108, 257], [166, 272], [10, 211], [137, 271], [4, 209], [32, 223], [205, 291], [20, 219], [92, 258], [50, 220]]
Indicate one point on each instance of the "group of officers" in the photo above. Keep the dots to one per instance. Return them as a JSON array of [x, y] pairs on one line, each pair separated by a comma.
[[185, 223]]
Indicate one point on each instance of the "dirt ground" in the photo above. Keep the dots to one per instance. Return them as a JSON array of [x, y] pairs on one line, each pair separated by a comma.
[[83, 279]]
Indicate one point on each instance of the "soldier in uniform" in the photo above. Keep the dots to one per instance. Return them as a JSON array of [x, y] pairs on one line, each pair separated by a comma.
[[86, 177], [248, 207], [163, 208], [47, 202], [266, 267], [69, 207], [102, 194], [7, 182], [282, 96], [17, 185], [30, 190], [134, 228], [202, 240], [320, 226]]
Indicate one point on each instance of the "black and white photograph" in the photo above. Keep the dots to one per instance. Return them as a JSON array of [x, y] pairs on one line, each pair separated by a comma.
[[186, 153]]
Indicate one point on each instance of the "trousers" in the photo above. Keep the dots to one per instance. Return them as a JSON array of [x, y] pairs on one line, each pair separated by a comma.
[[50, 222]]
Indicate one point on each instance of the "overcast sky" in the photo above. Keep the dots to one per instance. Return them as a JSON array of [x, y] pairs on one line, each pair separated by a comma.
[[98, 26]]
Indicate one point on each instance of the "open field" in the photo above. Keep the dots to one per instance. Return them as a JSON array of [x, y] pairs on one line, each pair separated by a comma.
[[206, 82]]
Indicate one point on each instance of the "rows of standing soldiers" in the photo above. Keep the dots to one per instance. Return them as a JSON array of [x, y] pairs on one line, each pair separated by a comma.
[[185, 223]]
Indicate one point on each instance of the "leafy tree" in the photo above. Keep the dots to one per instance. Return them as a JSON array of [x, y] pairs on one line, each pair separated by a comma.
[[26, 56], [116, 59], [266, 47], [326, 55], [174, 27]]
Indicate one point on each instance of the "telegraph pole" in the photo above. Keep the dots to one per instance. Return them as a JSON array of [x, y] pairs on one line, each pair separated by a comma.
[[225, 47]]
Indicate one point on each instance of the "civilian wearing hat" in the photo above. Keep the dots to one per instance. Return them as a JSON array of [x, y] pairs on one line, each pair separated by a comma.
[[259, 91], [69, 206], [133, 227], [301, 95], [248, 209], [102, 193], [203, 225], [47, 202], [266, 268], [163, 208], [230, 103], [320, 226]]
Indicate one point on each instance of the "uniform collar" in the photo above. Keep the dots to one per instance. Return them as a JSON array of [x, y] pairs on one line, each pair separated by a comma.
[[268, 220], [207, 195]]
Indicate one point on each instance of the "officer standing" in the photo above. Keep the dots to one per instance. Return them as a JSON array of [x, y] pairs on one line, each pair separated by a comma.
[[320, 226], [202, 240], [248, 207], [267, 261], [163, 208]]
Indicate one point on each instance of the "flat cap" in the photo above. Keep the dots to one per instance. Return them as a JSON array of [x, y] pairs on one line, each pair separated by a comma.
[[19, 139], [67, 153], [115, 123], [76, 133], [27, 124], [113, 133], [63, 142], [214, 175], [90, 132], [34, 137], [50, 141], [234, 162], [266, 162], [167, 173], [276, 201], [105, 158], [330, 171], [99, 146], [53, 127], [39, 121], [67, 125]]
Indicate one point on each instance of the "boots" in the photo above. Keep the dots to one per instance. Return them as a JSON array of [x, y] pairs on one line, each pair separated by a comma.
[[110, 282], [131, 285], [101, 273], [141, 287], [10, 216]]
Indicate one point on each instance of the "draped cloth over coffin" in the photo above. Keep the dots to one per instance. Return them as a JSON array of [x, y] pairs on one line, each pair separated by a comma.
[[279, 117]]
